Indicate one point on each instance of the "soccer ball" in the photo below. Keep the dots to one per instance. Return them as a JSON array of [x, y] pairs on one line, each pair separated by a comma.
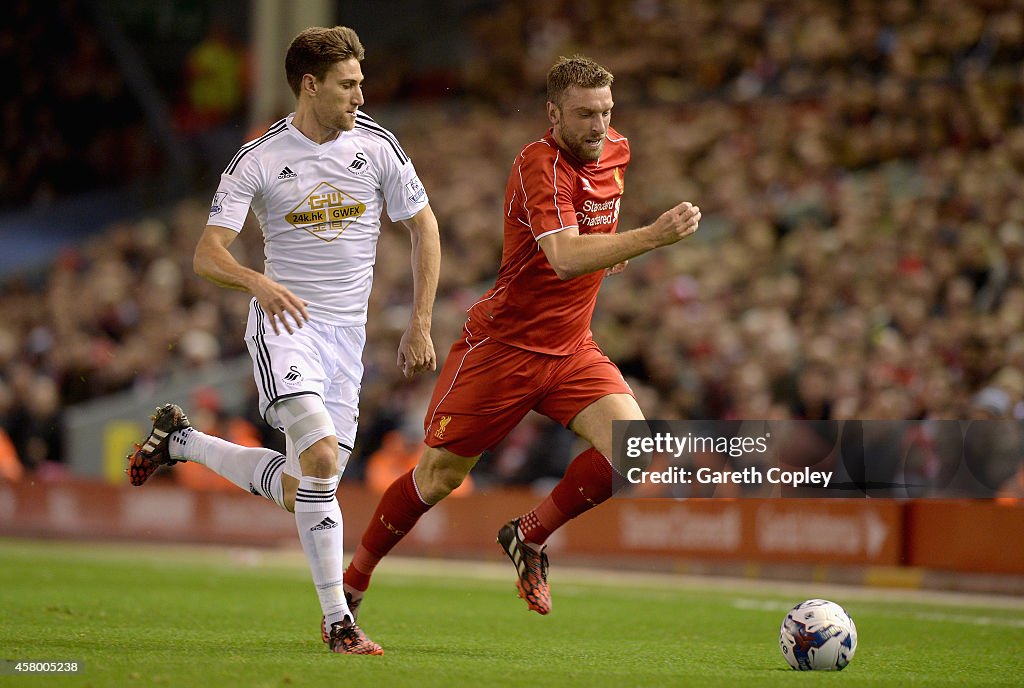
[[818, 635]]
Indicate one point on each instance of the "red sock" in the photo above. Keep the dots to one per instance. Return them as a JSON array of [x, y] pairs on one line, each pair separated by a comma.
[[399, 509], [587, 483]]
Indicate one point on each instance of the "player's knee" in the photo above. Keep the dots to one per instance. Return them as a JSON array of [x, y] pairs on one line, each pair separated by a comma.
[[449, 479], [437, 475], [311, 432], [320, 460], [440, 486]]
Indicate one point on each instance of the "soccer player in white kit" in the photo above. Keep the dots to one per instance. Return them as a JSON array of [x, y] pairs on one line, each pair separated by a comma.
[[317, 181]]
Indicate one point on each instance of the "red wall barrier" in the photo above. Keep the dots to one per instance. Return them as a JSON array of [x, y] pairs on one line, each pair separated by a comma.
[[836, 531], [974, 536], [966, 535]]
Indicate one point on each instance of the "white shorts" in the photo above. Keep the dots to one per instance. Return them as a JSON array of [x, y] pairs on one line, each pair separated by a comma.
[[318, 359]]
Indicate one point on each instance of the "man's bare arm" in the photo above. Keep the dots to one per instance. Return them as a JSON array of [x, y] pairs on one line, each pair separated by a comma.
[[213, 261], [416, 350]]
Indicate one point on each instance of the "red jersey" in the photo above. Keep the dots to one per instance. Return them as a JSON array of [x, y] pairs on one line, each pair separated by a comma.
[[550, 191]]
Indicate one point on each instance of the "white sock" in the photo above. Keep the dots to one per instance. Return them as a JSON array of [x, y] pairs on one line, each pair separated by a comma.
[[254, 469], [318, 519]]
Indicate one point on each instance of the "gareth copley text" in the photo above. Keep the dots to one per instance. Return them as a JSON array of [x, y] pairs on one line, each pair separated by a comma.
[[751, 475]]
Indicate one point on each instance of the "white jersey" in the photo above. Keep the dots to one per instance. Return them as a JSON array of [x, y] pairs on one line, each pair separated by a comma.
[[319, 207]]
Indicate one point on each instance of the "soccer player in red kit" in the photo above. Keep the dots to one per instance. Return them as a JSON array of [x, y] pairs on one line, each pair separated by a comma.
[[527, 343]]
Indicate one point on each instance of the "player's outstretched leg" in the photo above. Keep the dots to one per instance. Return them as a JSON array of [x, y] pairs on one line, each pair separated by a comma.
[[153, 452], [531, 567], [399, 509], [347, 638]]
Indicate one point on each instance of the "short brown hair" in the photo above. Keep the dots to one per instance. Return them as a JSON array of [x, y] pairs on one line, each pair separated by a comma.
[[316, 49], [575, 71]]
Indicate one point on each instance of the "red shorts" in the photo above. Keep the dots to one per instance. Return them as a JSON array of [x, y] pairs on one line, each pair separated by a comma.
[[487, 387]]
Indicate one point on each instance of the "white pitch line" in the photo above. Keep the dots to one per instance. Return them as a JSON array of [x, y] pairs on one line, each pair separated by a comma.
[[502, 571], [291, 558], [939, 617]]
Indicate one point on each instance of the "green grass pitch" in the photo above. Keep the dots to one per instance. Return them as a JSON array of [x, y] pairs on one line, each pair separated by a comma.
[[150, 616]]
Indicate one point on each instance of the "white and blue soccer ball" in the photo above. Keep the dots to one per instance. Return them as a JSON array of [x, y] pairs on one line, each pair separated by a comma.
[[818, 635]]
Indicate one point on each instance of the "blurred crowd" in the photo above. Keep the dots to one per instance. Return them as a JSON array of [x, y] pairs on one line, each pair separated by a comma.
[[859, 167], [68, 123]]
